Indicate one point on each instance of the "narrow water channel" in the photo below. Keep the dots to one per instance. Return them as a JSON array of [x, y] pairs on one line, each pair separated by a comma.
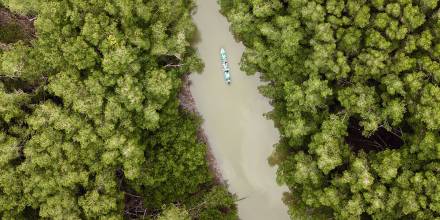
[[240, 137]]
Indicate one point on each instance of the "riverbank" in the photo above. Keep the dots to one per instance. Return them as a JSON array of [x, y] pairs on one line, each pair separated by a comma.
[[187, 103]]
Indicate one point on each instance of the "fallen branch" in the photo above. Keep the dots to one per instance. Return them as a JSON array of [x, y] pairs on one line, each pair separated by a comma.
[[174, 65], [4, 46], [238, 200]]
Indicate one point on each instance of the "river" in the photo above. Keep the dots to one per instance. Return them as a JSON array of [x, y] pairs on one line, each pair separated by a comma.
[[240, 137]]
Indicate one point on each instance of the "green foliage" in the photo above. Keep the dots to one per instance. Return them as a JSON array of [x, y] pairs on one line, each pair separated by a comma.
[[355, 89], [89, 114], [174, 213], [22, 6], [214, 204]]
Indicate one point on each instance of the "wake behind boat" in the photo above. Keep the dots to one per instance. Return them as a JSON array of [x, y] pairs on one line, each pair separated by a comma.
[[225, 66]]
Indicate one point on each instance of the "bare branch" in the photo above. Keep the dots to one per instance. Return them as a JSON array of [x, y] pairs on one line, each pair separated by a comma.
[[173, 65]]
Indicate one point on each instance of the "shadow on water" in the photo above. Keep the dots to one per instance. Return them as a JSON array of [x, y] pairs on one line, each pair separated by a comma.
[[197, 38]]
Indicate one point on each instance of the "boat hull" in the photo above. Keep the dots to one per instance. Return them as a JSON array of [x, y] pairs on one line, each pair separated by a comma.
[[225, 66]]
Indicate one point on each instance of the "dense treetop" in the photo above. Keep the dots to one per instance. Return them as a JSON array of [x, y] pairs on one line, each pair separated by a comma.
[[90, 124], [355, 86]]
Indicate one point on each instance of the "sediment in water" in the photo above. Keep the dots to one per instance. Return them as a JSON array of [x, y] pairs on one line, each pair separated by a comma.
[[187, 103]]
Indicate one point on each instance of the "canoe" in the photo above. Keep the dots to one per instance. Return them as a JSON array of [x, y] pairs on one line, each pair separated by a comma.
[[225, 66]]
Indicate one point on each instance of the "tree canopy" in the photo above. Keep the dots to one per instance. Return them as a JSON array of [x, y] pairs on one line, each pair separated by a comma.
[[90, 123], [355, 86]]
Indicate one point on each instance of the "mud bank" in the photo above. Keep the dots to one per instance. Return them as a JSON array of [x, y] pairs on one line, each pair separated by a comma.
[[187, 103]]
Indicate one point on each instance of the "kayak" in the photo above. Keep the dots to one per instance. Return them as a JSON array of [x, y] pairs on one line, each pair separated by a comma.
[[225, 66]]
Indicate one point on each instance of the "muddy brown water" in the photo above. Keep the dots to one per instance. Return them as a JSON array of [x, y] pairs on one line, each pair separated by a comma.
[[240, 137]]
